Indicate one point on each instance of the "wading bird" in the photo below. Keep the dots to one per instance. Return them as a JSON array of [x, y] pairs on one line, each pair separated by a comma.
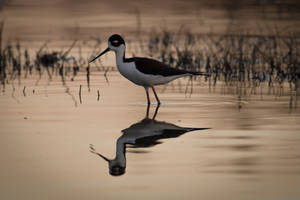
[[145, 72]]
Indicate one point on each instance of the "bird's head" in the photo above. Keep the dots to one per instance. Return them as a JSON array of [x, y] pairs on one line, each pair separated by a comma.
[[115, 43], [116, 166]]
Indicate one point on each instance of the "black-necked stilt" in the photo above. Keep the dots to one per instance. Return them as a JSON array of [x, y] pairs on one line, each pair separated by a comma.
[[145, 72], [145, 133]]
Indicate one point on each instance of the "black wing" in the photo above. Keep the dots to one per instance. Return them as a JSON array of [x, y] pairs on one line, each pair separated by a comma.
[[154, 67]]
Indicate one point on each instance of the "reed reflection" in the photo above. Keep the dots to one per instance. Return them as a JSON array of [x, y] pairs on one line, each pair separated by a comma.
[[143, 134]]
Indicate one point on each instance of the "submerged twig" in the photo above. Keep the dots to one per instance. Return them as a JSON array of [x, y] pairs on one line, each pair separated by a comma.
[[71, 95], [98, 98], [105, 76], [88, 77], [13, 94], [80, 95], [24, 93]]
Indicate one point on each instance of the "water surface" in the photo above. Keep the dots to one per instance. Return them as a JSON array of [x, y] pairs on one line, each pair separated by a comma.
[[251, 152]]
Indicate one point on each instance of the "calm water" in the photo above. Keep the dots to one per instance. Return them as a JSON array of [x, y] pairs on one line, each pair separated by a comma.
[[240, 148], [248, 153]]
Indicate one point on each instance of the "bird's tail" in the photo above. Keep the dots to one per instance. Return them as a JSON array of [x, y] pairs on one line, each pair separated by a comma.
[[200, 73], [195, 129]]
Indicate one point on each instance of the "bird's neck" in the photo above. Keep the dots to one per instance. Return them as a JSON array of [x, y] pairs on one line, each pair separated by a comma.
[[120, 152], [120, 55]]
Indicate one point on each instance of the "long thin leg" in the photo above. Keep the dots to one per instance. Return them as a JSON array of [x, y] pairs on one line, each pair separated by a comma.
[[156, 97], [156, 111], [148, 98], [147, 111]]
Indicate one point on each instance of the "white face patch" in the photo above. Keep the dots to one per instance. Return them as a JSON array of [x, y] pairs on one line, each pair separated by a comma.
[[110, 45], [115, 43]]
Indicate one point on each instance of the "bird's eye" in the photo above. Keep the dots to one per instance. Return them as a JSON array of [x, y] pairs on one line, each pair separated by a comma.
[[115, 43]]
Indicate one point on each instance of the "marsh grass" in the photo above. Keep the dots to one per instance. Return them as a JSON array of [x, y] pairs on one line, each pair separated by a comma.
[[243, 64]]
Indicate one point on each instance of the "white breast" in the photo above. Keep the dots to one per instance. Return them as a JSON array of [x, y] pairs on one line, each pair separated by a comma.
[[129, 71]]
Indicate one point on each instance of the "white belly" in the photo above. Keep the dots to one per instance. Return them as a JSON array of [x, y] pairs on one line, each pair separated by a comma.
[[129, 71]]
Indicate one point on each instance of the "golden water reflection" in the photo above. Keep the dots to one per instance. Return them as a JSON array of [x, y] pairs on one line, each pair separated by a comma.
[[44, 146], [145, 133]]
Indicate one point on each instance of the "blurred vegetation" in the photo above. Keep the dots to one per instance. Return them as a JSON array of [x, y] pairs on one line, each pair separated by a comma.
[[242, 61]]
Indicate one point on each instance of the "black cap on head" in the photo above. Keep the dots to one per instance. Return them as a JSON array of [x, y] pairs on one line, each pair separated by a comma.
[[116, 40], [117, 170]]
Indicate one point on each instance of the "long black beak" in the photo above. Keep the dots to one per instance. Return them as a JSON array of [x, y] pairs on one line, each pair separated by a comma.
[[106, 159], [103, 52], [93, 150]]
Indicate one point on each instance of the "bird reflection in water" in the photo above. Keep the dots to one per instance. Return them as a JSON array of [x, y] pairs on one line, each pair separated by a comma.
[[145, 133]]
